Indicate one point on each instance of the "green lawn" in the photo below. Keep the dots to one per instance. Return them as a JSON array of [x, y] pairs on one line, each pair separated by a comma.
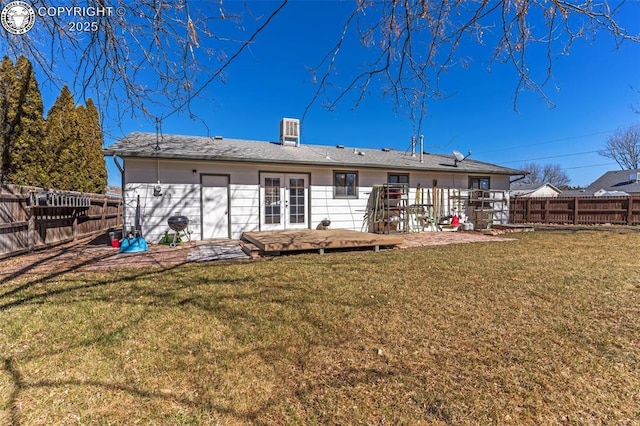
[[541, 330]]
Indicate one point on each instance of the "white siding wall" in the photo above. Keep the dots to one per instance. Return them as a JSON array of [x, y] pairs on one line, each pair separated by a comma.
[[245, 213], [181, 193], [154, 211]]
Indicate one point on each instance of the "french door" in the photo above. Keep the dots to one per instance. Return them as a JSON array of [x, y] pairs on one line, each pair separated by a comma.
[[283, 201]]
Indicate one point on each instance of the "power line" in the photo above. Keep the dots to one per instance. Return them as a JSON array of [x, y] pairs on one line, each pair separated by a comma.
[[549, 157], [590, 165], [552, 141]]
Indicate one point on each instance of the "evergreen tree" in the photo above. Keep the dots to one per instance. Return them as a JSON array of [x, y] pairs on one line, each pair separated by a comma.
[[95, 167], [7, 115], [77, 141], [63, 139], [30, 156], [64, 152], [25, 158]]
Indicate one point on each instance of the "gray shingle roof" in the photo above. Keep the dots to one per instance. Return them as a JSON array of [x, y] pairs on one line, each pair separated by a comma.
[[617, 180], [526, 186], [207, 148]]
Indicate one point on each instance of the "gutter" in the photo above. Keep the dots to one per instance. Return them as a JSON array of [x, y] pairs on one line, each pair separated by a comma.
[[339, 164], [518, 179]]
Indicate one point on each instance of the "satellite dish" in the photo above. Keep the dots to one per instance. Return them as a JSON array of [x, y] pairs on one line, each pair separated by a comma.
[[459, 157]]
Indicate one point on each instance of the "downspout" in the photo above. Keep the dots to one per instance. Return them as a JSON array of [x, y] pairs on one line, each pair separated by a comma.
[[518, 179], [524, 175], [124, 210]]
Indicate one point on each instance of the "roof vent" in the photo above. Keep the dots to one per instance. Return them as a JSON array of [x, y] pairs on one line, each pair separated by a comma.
[[634, 177], [290, 131], [218, 138]]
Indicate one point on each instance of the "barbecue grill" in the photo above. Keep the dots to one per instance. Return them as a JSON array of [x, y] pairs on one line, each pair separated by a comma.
[[177, 223]]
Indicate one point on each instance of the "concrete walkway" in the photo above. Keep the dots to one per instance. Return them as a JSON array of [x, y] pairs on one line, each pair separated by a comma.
[[424, 239], [211, 250]]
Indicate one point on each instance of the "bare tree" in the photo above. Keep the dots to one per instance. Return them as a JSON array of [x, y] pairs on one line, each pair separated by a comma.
[[138, 57], [624, 147], [534, 173], [553, 174], [413, 43], [545, 173], [153, 55]]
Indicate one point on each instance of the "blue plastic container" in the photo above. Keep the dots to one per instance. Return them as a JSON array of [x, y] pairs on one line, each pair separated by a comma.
[[133, 245]]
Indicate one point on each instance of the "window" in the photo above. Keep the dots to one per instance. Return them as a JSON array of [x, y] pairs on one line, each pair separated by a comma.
[[477, 195], [272, 200], [345, 184], [398, 178], [296, 201], [479, 183]]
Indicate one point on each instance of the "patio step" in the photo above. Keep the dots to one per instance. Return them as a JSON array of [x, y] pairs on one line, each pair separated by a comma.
[[251, 249]]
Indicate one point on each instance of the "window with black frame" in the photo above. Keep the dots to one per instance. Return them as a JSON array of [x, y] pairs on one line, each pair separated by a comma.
[[345, 184], [483, 183], [398, 178], [479, 186]]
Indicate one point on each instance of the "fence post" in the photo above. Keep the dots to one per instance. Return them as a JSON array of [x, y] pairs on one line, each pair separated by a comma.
[[75, 224], [31, 230], [546, 210], [104, 213], [630, 210], [575, 211], [527, 213]]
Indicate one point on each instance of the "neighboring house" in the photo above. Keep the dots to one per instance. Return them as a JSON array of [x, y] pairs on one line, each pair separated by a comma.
[[534, 190], [615, 183], [230, 186], [605, 193]]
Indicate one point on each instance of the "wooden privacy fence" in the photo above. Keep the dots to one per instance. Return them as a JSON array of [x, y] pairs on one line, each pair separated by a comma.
[[575, 210], [32, 218]]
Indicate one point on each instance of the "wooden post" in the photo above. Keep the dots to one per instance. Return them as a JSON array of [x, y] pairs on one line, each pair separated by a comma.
[[31, 230], [630, 201], [575, 211], [527, 212], [104, 213], [75, 225], [546, 210]]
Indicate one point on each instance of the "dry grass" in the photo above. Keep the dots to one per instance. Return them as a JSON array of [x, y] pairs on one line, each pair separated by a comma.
[[542, 330]]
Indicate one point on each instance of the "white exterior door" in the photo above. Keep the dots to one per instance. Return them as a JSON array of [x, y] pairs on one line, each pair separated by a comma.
[[283, 201], [215, 206]]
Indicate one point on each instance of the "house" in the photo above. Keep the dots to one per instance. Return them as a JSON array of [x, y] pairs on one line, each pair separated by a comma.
[[230, 186], [534, 190], [616, 183]]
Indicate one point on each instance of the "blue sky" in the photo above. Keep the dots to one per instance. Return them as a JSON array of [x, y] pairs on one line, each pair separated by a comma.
[[596, 88]]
